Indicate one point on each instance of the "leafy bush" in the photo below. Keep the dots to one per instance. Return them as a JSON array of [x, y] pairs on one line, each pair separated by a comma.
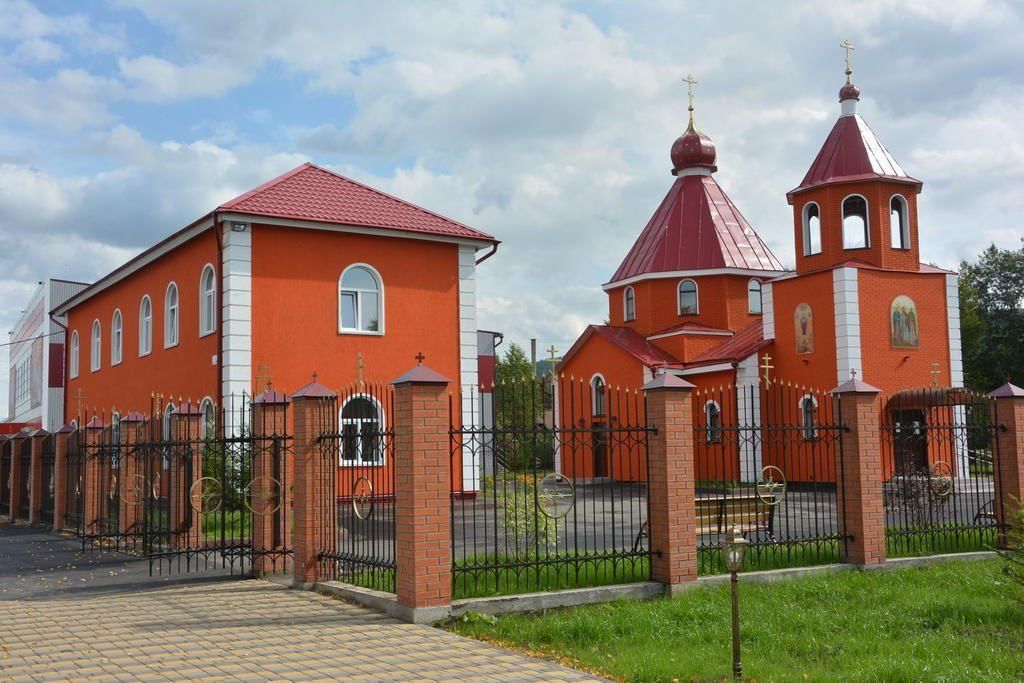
[[528, 531]]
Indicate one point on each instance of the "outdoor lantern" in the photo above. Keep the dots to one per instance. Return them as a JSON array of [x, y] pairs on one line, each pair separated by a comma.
[[735, 548]]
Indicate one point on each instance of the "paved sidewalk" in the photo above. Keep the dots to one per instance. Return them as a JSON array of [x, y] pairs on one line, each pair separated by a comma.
[[230, 630]]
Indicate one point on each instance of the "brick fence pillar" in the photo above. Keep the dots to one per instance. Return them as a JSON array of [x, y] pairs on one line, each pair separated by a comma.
[[36, 483], [94, 495], [423, 490], [271, 521], [1010, 460], [134, 484], [314, 412], [859, 475], [186, 471], [17, 443], [672, 526], [62, 441]]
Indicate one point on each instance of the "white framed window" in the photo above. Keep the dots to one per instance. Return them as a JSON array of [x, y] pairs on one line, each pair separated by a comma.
[[97, 346], [145, 326], [207, 301], [73, 355], [628, 304], [166, 432], [688, 303], [115, 434], [360, 300], [171, 317], [855, 222], [362, 427], [812, 228], [116, 337], [809, 417], [208, 413], [899, 222], [712, 422], [598, 396], [754, 302]]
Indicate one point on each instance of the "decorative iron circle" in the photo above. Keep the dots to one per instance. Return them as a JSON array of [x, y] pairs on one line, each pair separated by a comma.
[[362, 498], [556, 495], [206, 495], [771, 488], [131, 495], [263, 495], [941, 479], [112, 488]]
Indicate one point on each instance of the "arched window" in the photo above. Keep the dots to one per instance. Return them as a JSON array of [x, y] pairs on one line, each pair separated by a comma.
[[808, 417], [598, 396], [115, 430], [812, 229], [899, 222], [360, 300], [628, 304], [168, 434], [145, 326], [97, 346], [712, 422], [116, 337], [208, 413], [855, 222], [207, 301], [688, 298], [171, 316], [361, 442], [754, 304], [73, 361]]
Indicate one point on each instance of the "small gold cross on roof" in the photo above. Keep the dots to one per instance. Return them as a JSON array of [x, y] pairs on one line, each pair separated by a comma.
[[690, 82], [553, 351], [935, 372], [849, 48], [359, 368], [420, 358], [767, 366]]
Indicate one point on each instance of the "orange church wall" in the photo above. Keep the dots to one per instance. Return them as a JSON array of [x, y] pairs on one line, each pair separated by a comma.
[[688, 346], [715, 460], [818, 368], [188, 370], [295, 309]]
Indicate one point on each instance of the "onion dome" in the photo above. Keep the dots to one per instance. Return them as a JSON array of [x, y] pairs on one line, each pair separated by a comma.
[[849, 92], [693, 149]]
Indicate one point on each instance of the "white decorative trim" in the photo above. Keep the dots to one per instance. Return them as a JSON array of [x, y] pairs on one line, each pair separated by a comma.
[[168, 342], [693, 170], [709, 333], [144, 299], [236, 331], [205, 331], [848, 107], [469, 365], [675, 274], [748, 384], [956, 360], [768, 310], [846, 299], [702, 369], [626, 317], [382, 427]]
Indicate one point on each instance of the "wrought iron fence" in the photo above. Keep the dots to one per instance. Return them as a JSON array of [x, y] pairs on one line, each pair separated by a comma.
[[6, 475], [765, 461], [356, 471], [74, 487], [549, 486], [24, 448], [940, 467], [47, 479]]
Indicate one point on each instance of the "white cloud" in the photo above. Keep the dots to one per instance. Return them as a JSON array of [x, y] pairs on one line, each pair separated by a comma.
[[38, 50], [159, 80]]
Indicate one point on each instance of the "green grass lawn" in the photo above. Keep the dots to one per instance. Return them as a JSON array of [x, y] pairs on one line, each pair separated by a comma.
[[951, 622]]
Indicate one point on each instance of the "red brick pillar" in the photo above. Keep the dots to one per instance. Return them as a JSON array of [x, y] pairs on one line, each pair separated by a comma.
[[423, 490], [672, 524], [94, 495], [17, 443], [1010, 458], [186, 471], [271, 527], [133, 483], [62, 441], [36, 483], [859, 475], [314, 412]]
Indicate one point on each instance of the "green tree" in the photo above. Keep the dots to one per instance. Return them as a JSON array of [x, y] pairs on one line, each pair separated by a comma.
[[519, 409], [992, 317]]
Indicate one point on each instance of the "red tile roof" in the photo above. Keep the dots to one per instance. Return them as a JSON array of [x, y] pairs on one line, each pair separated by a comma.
[[313, 193], [696, 227], [852, 152], [626, 339], [746, 341]]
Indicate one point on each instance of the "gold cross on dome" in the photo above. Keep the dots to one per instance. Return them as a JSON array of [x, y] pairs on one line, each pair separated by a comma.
[[935, 372], [690, 82], [848, 47], [767, 367]]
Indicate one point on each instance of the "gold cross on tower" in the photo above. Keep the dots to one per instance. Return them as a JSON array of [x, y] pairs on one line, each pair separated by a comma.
[[263, 376], [690, 82], [848, 47], [552, 351], [359, 368], [935, 372], [767, 367]]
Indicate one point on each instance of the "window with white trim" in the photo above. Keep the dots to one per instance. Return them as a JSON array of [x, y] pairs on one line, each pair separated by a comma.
[[360, 301], [809, 417], [688, 303], [628, 304], [207, 301], [171, 318], [712, 422], [754, 302], [116, 337], [115, 434], [145, 326], [166, 425], [361, 442], [855, 222], [23, 381], [97, 346], [812, 229], [208, 413], [598, 396], [73, 361], [899, 222]]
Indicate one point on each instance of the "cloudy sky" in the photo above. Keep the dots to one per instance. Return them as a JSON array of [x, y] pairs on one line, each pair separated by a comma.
[[545, 124]]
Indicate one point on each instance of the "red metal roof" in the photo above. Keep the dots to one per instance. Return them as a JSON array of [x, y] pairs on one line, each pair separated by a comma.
[[696, 227], [852, 152], [626, 339], [312, 193], [747, 340]]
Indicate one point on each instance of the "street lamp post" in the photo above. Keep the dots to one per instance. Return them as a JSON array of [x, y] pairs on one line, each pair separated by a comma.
[[735, 547]]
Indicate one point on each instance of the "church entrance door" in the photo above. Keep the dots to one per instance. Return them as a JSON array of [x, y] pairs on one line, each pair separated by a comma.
[[911, 445], [600, 449]]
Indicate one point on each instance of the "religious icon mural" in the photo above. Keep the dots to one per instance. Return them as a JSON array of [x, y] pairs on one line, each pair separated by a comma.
[[803, 321], [903, 314]]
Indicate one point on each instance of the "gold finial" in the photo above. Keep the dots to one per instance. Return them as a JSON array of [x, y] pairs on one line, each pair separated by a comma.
[[690, 82], [359, 369], [935, 372], [767, 367], [849, 70]]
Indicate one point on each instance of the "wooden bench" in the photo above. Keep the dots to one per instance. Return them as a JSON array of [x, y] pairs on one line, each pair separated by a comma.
[[719, 514]]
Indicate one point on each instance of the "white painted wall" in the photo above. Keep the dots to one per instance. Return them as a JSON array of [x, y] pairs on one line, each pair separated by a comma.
[[846, 299], [236, 330]]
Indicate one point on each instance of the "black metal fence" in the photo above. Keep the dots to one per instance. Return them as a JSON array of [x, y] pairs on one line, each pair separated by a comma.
[[6, 475], [74, 487], [549, 487], [24, 483], [940, 465], [356, 471], [47, 482], [765, 462]]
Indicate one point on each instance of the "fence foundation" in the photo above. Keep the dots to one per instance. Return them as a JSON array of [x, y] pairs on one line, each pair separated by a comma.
[[1009, 480]]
